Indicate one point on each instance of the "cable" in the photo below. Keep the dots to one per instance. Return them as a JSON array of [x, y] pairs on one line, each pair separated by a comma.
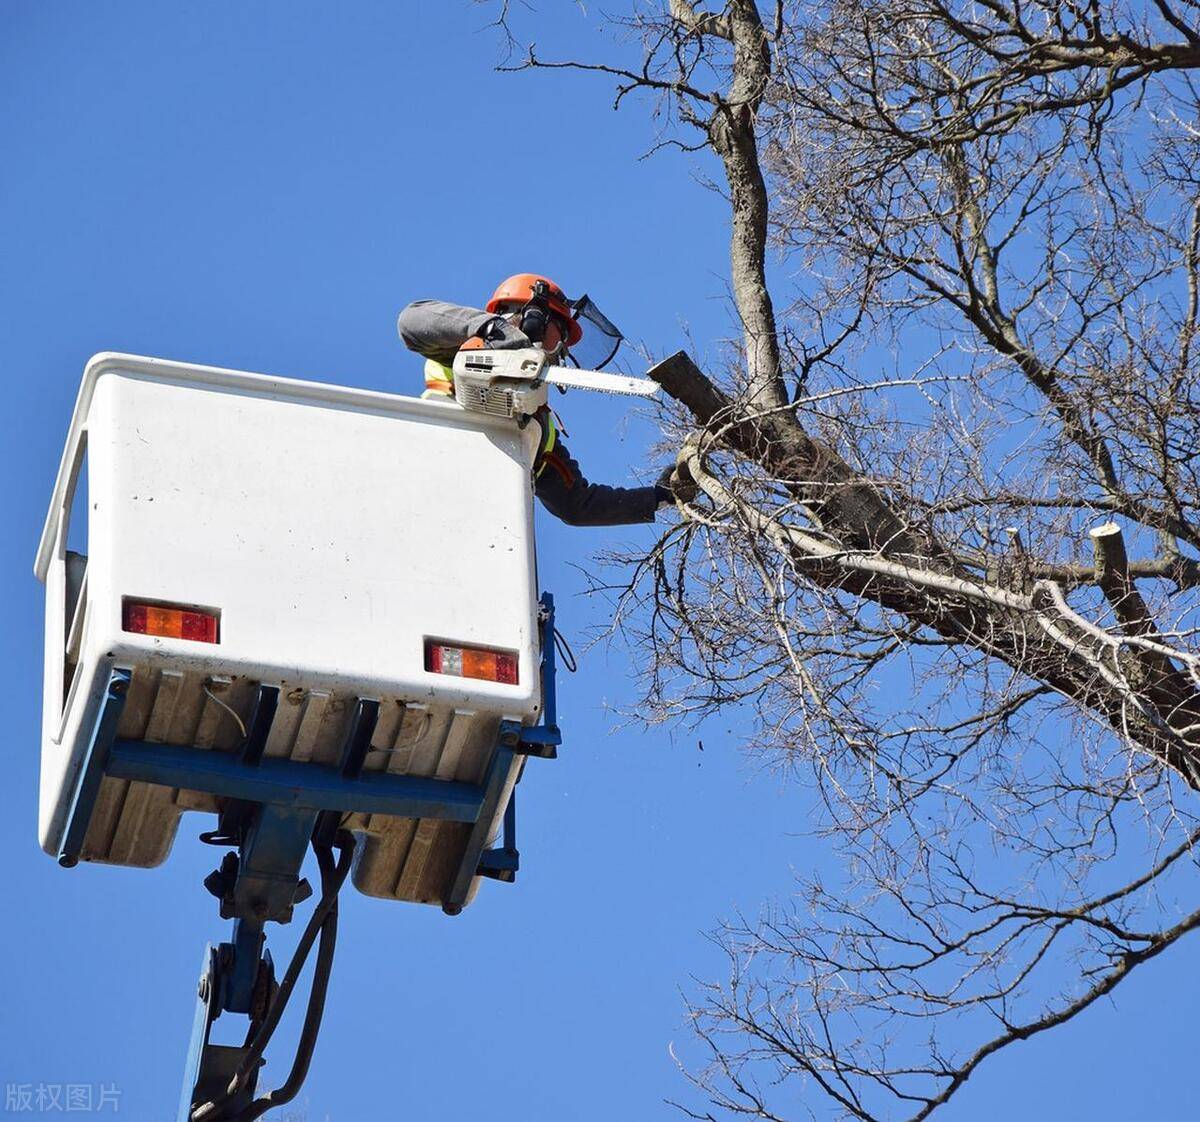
[[228, 709], [565, 652], [331, 882], [290, 1087], [324, 921]]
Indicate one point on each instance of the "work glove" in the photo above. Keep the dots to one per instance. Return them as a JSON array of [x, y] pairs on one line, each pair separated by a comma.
[[674, 485], [503, 335]]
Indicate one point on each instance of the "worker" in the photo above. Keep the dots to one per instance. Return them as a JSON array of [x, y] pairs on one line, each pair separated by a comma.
[[531, 310]]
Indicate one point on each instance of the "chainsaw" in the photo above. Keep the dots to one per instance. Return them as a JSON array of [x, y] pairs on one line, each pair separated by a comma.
[[516, 383]]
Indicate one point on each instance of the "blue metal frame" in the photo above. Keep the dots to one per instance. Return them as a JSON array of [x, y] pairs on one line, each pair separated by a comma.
[[504, 759], [304, 786], [544, 738], [208, 1008], [549, 670], [503, 863], [513, 741], [93, 767]]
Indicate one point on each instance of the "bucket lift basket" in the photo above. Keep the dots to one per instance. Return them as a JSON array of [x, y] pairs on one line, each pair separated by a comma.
[[310, 711]]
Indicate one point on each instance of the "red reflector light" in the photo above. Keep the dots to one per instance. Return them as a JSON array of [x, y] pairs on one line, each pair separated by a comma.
[[471, 662], [169, 622]]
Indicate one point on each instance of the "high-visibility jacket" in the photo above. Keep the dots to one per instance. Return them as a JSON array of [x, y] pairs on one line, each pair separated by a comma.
[[439, 380]]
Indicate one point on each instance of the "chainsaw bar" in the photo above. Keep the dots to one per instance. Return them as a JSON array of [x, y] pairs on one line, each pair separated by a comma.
[[569, 378]]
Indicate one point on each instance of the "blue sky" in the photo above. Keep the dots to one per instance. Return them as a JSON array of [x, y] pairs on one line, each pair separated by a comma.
[[262, 186]]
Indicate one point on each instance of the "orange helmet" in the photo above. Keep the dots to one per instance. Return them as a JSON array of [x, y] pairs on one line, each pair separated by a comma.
[[518, 289]]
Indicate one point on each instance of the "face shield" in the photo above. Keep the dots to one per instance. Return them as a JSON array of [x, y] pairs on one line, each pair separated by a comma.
[[601, 337]]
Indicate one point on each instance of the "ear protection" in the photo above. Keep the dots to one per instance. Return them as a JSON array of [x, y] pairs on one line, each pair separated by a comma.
[[535, 316], [534, 321]]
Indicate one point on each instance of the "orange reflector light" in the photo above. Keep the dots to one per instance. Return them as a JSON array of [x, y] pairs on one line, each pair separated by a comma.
[[471, 662], [169, 622]]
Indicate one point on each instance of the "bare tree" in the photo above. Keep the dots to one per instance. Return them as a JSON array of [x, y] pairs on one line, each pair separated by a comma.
[[945, 543]]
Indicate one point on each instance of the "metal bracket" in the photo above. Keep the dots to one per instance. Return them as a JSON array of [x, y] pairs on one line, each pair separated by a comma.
[[210, 1067], [503, 863], [550, 734], [268, 874], [503, 761], [259, 728], [513, 740], [92, 769], [538, 741], [358, 738]]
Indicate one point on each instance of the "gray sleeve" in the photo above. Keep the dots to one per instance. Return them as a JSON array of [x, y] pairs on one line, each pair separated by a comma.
[[436, 329], [566, 494]]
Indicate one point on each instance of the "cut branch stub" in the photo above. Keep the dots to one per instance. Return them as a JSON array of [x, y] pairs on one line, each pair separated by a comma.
[[1112, 574]]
